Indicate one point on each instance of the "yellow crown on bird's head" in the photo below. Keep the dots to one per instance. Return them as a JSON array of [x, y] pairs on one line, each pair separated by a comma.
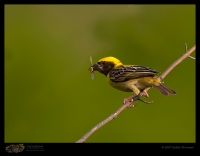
[[111, 59]]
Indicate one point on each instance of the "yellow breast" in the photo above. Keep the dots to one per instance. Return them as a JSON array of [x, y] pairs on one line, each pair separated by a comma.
[[123, 86], [127, 85]]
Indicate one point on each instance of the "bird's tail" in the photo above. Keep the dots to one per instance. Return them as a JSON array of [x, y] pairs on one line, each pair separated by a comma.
[[164, 89]]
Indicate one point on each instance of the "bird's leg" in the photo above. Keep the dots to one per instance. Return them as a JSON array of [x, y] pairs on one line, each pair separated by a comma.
[[137, 91], [133, 98]]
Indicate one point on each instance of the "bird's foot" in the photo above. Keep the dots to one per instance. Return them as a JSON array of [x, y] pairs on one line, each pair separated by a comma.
[[129, 100], [144, 92], [133, 98]]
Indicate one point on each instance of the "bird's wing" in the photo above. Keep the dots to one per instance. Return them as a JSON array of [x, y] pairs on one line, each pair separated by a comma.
[[128, 72]]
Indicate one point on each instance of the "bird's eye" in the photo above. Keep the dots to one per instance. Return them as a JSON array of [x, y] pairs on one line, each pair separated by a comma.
[[104, 62]]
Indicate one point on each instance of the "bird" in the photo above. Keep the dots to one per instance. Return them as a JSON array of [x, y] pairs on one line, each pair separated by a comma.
[[130, 78]]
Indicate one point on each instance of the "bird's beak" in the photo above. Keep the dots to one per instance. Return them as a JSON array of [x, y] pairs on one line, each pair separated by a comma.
[[94, 67]]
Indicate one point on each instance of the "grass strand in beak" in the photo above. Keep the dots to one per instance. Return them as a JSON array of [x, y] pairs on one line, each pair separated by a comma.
[[91, 68]]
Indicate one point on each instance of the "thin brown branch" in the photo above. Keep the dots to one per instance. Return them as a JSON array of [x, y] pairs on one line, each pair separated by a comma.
[[173, 65], [186, 52], [192, 57], [129, 103], [185, 55], [112, 116]]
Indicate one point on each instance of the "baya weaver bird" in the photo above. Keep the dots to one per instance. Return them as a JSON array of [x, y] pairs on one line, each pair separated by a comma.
[[130, 78]]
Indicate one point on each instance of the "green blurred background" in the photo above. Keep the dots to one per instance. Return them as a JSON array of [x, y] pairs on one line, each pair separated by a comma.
[[49, 94]]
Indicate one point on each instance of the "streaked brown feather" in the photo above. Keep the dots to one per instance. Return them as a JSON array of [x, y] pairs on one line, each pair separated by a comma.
[[124, 73]]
